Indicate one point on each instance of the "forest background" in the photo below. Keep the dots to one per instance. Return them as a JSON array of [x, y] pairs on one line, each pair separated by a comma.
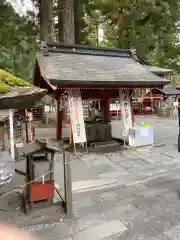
[[151, 28]]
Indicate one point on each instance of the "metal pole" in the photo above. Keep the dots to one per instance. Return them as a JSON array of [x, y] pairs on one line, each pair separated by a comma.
[[68, 184], [11, 130]]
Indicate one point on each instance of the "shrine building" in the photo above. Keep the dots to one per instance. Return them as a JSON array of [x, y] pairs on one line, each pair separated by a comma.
[[100, 73]]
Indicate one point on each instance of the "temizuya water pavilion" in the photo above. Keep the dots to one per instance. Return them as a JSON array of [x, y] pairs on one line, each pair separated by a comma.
[[99, 73]]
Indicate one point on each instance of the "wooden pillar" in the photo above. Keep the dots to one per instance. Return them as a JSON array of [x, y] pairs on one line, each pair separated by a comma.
[[59, 119], [102, 108], [68, 184], [106, 110], [152, 102], [26, 125], [12, 143]]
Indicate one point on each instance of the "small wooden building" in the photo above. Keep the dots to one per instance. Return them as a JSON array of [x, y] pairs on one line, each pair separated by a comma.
[[99, 73], [169, 94], [19, 130]]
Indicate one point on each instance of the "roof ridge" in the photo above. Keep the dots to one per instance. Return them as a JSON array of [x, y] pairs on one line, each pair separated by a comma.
[[84, 49], [87, 47]]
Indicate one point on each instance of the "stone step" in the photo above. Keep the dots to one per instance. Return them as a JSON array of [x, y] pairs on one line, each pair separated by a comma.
[[105, 144]]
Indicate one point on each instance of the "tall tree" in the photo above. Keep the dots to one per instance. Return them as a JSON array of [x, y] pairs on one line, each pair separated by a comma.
[[17, 42], [66, 21], [151, 27], [82, 21], [45, 17]]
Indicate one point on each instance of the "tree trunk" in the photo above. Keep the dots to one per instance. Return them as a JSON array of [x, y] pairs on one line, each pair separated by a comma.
[[66, 21], [78, 20], [46, 21]]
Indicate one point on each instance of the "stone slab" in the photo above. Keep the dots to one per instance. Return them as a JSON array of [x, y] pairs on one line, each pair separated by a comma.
[[61, 230], [131, 191], [161, 182], [101, 231], [135, 163], [149, 203], [173, 233], [104, 168]]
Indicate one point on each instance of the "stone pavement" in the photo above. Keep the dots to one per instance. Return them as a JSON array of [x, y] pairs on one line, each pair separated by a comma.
[[129, 194], [165, 129], [140, 202]]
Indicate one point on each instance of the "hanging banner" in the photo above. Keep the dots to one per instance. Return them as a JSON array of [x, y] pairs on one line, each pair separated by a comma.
[[125, 111], [76, 115]]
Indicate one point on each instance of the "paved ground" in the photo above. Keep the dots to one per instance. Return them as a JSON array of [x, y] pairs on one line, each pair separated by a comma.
[[165, 130], [127, 194]]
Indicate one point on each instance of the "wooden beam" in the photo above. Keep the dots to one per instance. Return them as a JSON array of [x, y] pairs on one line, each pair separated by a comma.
[[98, 94], [104, 86]]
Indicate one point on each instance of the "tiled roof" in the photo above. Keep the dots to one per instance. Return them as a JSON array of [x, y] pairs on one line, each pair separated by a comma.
[[21, 97], [170, 90], [71, 64], [158, 70]]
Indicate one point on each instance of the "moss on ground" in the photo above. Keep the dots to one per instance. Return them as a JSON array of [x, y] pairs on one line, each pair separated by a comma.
[[8, 80]]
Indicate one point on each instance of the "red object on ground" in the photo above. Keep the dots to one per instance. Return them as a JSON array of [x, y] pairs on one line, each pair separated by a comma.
[[41, 191]]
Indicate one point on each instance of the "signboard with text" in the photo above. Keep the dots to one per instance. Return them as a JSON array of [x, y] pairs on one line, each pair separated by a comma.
[[125, 111], [76, 115]]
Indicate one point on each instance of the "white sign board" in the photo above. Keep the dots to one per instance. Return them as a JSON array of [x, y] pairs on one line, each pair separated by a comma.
[[30, 116], [76, 114], [125, 111], [144, 132], [175, 104], [46, 108]]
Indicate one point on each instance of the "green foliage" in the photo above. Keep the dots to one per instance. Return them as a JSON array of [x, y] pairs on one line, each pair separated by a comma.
[[80, 23], [149, 26], [8, 80], [17, 42]]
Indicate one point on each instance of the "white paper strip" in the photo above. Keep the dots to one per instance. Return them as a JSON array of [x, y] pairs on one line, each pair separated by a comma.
[[125, 111], [76, 114]]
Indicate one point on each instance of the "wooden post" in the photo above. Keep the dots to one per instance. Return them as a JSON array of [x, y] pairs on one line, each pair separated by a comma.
[[59, 120], [106, 110], [11, 133], [152, 102], [31, 130], [26, 122], [102, 107], [68, 184]]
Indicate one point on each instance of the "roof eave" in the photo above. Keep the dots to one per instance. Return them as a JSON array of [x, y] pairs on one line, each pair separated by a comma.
[[168, 93], [161, 72], [108, 84]]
